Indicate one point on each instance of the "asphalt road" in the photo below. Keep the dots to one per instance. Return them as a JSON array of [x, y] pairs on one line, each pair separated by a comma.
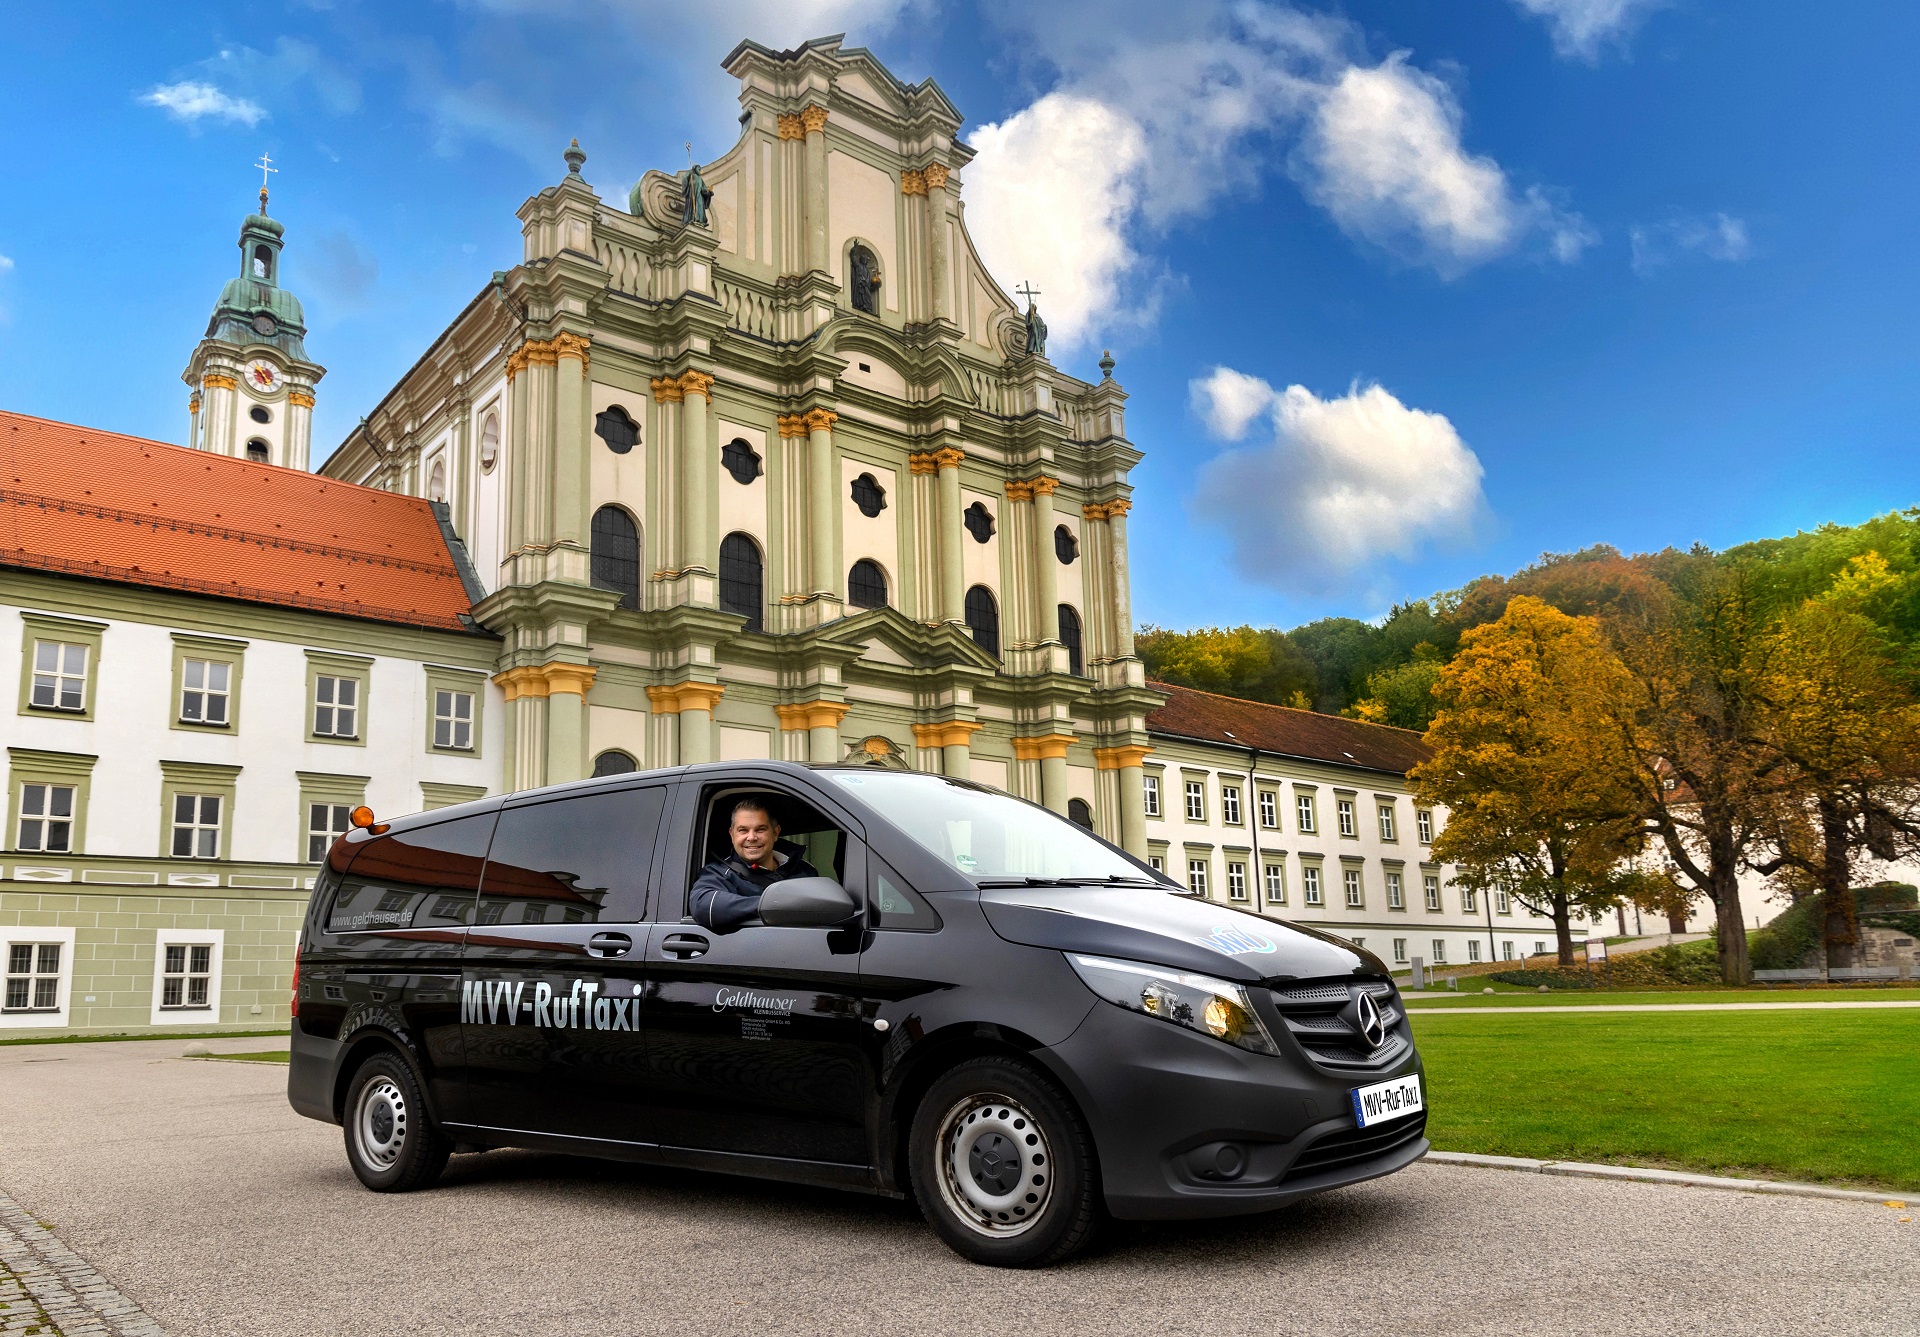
[[193, 1187]]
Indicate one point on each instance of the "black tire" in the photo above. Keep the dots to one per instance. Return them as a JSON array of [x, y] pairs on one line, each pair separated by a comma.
[[392, 1143], [1003, 1166]]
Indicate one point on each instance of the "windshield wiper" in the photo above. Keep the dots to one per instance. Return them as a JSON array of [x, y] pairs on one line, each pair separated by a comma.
[[1113, 879]]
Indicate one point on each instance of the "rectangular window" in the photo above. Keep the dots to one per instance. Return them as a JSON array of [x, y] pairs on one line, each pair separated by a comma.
[[46, 818], [453, 720], [1276, 884], [1303, 805], [1386, 821], [1506, 951], [1269, 810], [33, 977], [59, 676], [1236, 882], [336, 706], [1539, 948], [1439, 951], [1431, 884], [1396, 892], [1196, 801], [1501, 905], [1423, 823], [1310, 884], [186, 975], [1469, 902], [1344, 809], [196, 826], [1197, 876], [1150, 791], [1400, 950], [1230, 804], [1156, 863], [1473, 949], [1355, 900], [204, 691], [326, 823]]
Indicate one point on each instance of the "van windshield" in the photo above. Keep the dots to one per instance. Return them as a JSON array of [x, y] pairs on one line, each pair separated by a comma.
[[989, 835]]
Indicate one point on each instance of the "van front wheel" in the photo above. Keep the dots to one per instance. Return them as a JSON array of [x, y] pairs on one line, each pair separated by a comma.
[[391, 1142]]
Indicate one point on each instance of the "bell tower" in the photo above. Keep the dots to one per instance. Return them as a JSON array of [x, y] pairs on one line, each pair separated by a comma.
[[250, 379]]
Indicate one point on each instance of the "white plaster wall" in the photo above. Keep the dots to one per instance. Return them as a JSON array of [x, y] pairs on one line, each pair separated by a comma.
[[130, 734], [744, 506], [980, 562], [486, 527], [1070, 579], [620, 480], [876, 538], [863, 202], [617, 727], [738, 744], [724, 210], [864, 369], [985, 771]]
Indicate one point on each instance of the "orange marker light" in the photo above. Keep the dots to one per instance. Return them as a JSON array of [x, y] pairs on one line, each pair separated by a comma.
[[361, 816]]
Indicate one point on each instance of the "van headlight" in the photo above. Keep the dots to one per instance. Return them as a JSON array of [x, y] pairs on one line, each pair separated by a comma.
[[1199, 1002]]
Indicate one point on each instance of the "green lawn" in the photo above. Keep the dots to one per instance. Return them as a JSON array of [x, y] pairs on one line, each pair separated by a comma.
[[1788, 1095], [263, 1056], [1624, 998]]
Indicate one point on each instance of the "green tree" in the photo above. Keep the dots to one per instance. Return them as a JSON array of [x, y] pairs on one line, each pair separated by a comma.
[[1254, 664], [1539, 783], [1403, 695]]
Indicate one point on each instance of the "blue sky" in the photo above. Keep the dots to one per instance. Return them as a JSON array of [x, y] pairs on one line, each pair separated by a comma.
[[1402, 292]]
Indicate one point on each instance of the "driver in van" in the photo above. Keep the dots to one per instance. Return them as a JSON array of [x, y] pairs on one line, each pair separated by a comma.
[[726, 895]]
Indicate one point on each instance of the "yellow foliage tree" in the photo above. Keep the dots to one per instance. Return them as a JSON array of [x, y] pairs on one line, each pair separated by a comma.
[[1530, 759]]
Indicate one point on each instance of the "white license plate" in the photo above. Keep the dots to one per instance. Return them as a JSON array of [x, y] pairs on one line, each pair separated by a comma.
[[1387, 1100]]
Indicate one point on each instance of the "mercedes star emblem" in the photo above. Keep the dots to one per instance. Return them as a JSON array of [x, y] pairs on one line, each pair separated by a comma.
[[1367, 1019]]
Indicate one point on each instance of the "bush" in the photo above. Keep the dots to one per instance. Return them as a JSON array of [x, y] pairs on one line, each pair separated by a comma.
[[1883, 897], [1553, 979], [1793, 939]]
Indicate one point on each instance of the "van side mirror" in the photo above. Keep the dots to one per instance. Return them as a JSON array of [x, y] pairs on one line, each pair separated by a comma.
[[807, 902]]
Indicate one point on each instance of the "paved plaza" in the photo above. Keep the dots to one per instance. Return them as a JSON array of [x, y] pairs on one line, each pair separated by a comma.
[[208, 1206]]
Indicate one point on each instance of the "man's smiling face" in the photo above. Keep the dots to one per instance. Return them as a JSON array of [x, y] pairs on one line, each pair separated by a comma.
[[753, 833]]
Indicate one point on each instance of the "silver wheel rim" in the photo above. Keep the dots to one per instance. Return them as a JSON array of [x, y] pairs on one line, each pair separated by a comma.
[[996, 1173], [380, 1123]]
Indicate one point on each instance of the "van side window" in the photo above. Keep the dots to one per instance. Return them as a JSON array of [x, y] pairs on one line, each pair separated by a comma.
[[580, 860], [895, 904], [425, 877]]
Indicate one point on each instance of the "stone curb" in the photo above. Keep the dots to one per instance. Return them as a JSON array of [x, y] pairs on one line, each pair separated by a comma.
[[65, 1288], [1632, 1174]]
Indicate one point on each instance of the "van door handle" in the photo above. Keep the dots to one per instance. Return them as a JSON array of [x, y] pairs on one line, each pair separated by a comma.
[[609, 944], [685, 946]]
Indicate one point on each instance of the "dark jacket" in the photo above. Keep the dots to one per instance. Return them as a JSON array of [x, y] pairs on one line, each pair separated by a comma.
[[727, 893]]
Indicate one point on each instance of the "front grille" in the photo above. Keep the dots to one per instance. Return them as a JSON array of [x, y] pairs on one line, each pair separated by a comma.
[[1318, 1017], [1350, 1146]]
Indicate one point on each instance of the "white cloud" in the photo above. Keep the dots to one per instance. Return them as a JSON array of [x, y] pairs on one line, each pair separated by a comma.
[[6, 263], [1383, 155], [1341, 485], [1582, 29], [190, 101], [1715, 237]]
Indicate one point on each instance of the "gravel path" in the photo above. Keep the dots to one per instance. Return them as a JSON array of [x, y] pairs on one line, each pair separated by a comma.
[[209, 1204]]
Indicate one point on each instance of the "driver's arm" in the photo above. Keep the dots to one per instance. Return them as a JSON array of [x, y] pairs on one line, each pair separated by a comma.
[[717, 905]]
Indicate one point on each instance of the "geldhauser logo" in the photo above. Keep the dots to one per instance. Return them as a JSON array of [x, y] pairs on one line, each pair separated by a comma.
[[1236, 940], [582, 1008], [757, 1002]]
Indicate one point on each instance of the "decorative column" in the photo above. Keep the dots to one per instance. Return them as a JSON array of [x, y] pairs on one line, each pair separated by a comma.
[[952, 566], [813, 121], [699, 468], [1046, 572], [1016, 612], [935, 177], [821, 720], [216, 412], [571, 461], [1122, 602], [823, 499], [567, 686], [671, 540], [692, 704], [954, 739], [1096, 558], [1126, 759], [299, 436], [1050, 750]]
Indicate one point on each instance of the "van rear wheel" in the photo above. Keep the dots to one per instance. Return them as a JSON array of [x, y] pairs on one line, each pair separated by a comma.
[[1003, 1166], [392, 1144]]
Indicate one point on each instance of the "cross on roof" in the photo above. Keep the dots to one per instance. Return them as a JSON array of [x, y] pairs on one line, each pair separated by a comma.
[[265, 166], [1028, 291]]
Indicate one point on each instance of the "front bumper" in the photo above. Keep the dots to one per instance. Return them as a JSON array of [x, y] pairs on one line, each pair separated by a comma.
[[1188, 1127]]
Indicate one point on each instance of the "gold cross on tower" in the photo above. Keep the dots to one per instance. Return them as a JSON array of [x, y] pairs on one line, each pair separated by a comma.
[[265, 168]]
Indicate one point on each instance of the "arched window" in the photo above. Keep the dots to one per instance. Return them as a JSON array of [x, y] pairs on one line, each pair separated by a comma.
[[1065, 546], [1070, 637], [437, 482], [742, 579], [739, 459], [260, 413], [869, 496], [983, 619], [979, 521], [615, 549], [1079, 813], [613, 762], [258, 451], [489, 443], [863, 280], [614, 427], [867, 585], [263, 263]]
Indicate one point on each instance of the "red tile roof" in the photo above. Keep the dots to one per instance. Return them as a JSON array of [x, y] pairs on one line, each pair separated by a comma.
[[1284, 731], [79, 501]]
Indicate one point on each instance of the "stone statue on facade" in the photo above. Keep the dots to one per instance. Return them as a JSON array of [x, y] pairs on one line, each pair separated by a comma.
[[693, 204], [1036, 327], [864, 280]]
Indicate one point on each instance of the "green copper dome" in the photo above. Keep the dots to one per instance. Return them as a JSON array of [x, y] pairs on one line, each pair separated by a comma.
[[254, 309]]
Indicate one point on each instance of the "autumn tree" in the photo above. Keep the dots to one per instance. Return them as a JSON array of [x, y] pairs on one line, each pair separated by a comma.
[[1254, 664], [1540, 785]]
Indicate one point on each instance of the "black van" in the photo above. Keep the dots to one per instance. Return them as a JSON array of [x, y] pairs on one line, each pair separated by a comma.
[[976, 1002]]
